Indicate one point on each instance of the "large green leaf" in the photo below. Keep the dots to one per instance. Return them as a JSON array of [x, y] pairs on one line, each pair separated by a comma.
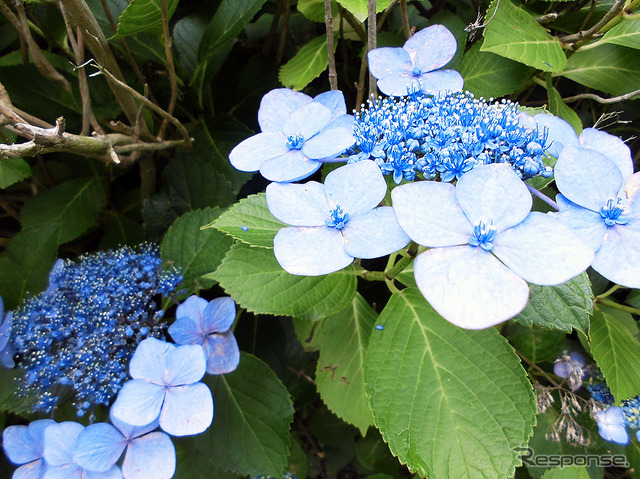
[[568, 472], [492, 76], [559, 108], [13, 170], [625, 33], [534, 343], [449, 402], [250, 221], [565, 307], [513, 33], [187, 34], [143, 16], [197, 252], [617, 353], [609, 68], [310, 61], [343, 340], [314, 9], [359, 7], [72, 207], [9, 399], [253, 277], [250, 430], [122, 230]]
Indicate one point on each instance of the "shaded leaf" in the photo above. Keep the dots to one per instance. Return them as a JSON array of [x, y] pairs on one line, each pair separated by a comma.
[[143, 16], [122, 230], [187, 34], [310, 61], [625, 33], [13, 170], [568, 472], [559, 108], [534, 343]]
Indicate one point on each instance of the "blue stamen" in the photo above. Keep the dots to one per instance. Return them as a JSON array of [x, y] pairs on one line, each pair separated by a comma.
[[612, 212], [338, 218], [295, 142], [483, 234], [416, 71]]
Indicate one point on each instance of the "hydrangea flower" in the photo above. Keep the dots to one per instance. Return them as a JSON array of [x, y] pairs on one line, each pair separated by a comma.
[[631, 412], [148, 454], [401, 71], [6, 349], [571, 368], [334, 222], [165, 386], [60, 440], [207, 324], [611, 425], [600, 201], [297, 134], [24, 446], [600, 392], [486, 245]]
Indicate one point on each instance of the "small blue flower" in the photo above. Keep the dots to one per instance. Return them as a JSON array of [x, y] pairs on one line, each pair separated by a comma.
[[166, 386], [611, 425], [571, 368], [486, 245], [403, 71], [298, 134], [6, 348], [24, 446], [334, 223], [207, 324]]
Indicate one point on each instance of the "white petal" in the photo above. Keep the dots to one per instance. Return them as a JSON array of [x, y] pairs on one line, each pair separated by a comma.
[[328, 142], [298, 204], [389, 61], [611, 146], [277, 106], [60, 442], [255, 150], [150, 456], [185, 365], [356, 188], [334, 101], [187, 410], [99, 447], [431, 47], [441, 81], [291, 166], [138, 402], [148, 361], [618, 258], [307, 121], [373, 234], [399, 85], [560, 133], [586, 224]]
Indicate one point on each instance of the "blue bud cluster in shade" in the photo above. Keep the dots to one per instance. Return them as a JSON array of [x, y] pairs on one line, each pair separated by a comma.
[[82, 331], [442, 137]]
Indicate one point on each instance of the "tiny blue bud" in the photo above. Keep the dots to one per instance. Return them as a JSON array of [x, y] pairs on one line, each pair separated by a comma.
[[379, 327], [244, 228]]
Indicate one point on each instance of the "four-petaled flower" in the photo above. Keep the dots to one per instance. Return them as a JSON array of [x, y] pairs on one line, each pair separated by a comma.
[[6, 349], [401, 71], [24, 446], [207, 324], [611, 425], [297, 134], [334, 223], [571, 368], [486, 245], [166, 385]]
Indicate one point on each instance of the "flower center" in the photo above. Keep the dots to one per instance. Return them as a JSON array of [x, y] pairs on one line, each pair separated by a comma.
[[337, 218], [483, 234], [416, 71], [612, 212], [295, 142]]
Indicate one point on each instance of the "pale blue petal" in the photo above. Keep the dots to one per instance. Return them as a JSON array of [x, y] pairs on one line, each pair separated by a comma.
[[187, 410], [138, 402], [24, 444], [186, 331], [399, 85], [494, 192], [542, 250], [192, 307], [430, 214], [33, 470], [611, 146], [277, 106], [252, 152], [291, 166], [561, 133], [632, 192], [5, 329], [219, 315], [328, 142], [357, 187], [60, 442], [618, 258], [587, 177], [431, 48], [310, 251], [307, 121], [298, 205], [611, 425], [373, 234], [150, 456], [6, 357], [586, 224], [469, 287], [334, 101], [389, 61], [113, 473], [222, 353], [64, 471], [99, 447], [441, 81], [185, 365], [130, 431], [148, 361]]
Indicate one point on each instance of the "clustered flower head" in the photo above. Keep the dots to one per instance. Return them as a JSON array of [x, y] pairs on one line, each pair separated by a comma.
[[81, 333]]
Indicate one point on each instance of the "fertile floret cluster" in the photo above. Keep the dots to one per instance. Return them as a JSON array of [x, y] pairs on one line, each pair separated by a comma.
[[82, 331], [631, 412], [444, 136]]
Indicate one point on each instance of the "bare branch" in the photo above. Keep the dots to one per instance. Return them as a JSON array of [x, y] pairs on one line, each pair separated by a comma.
[[372, 40], [173, 82], [405, 19], [586, 34], [328, 20], [599, 99]]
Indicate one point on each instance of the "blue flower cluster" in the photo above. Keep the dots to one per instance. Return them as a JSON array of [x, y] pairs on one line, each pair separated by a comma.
[[444, 136], [82, 331]]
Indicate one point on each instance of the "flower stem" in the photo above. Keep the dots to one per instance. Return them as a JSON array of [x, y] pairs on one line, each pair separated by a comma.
[[406, 259], [621, 307], [608, 292], [542, 196]]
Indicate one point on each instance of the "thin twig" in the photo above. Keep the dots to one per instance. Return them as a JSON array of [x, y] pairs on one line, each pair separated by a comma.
[[361, 82], [385, 14], [274, 27], [283, 33], [599, 99], [542, 196], [406, 28], [173, 82], [372, 39], [328, 20], [355, 24], [586, 34]]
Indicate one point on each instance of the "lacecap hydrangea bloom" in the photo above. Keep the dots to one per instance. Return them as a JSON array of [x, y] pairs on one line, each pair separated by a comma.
[[611, 425], [414, 67], [80, 334], [298, 133], [486, 244], [24, 447], [334, 222]]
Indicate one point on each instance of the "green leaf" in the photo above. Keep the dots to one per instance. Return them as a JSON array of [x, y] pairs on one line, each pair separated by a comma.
[[187, 35], [534, 343], [617, 352], [143, 16], [513, 33], [343, 340], [197, 252], [250, 430], [625, 33], [568, 472], [253, 277], [492, 76], [609, 68], [13, 170], [72, 207], [359, 7], [565, 306], [9, 399], [310, 61], [559, 108], [252, 214], [122, 230], [449, 402], [314, 9]]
